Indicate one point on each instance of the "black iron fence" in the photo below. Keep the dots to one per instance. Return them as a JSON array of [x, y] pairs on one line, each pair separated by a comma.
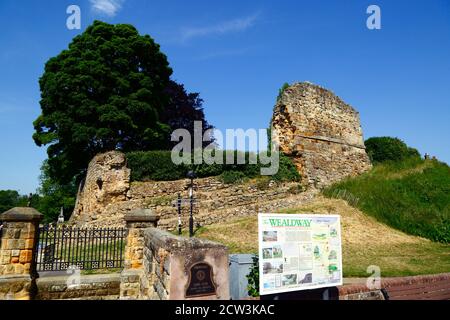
[[61, 247]]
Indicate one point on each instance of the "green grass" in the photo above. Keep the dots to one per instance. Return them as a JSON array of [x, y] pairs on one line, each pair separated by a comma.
[[398, 260], [395, 258], [412, 196], [85, 251]]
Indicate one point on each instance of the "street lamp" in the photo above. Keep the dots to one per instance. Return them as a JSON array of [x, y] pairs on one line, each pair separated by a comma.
[[191, 175]]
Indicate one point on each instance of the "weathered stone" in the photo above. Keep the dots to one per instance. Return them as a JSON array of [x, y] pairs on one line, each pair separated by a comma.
[[26, 256], [321, 133], [107, 182], [21, 214]]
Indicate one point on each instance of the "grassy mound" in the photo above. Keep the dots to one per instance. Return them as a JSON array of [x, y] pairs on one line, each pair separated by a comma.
[[412, 195], [365, 241]]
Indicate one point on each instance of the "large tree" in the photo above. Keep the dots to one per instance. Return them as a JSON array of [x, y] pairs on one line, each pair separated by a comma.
[[105, 92], [182, 111]]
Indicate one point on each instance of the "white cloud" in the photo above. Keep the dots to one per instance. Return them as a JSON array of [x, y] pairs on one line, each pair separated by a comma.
[[106, 7], [236, 25]]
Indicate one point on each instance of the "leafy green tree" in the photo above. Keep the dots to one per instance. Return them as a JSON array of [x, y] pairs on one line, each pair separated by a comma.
[[53, 196], [105, 92], [10, 199], [182, 111], [382, 149]]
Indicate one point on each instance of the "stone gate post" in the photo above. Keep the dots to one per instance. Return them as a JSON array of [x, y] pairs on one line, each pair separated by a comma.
[[17, 249], [136, 222]]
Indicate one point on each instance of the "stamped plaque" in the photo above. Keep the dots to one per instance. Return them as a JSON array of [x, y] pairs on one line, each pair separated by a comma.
[[201, 281]]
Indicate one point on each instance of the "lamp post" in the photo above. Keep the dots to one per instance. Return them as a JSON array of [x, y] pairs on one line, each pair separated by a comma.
[[191, 176], [179, 213]]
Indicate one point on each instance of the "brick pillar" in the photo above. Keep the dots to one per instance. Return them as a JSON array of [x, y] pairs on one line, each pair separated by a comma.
[[17, 249], [136, 222]]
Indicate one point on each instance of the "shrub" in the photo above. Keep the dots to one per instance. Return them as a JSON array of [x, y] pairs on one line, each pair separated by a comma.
[[230, 177], [154, 165], [253, 278], [382, 149], [281, 90], [287, 170], [296, 189], [158, 166]]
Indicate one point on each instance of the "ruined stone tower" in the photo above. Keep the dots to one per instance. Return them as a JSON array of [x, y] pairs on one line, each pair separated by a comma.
[[321, 133], [107, 183]]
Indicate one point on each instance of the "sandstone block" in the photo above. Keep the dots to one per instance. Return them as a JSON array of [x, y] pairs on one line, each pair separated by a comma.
[[26, 256]]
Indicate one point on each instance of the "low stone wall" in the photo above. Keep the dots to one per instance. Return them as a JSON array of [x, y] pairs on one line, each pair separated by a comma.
[[91, 287], [169, 260], [15, 287], [216, 201]]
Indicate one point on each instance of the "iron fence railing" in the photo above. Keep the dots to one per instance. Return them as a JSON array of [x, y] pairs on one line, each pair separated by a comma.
[[62, 247]]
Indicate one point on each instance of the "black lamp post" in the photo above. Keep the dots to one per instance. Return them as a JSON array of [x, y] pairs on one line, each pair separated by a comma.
[[191, 176]]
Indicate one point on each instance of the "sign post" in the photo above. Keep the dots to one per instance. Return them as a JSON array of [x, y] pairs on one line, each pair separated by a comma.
[[299, 252]]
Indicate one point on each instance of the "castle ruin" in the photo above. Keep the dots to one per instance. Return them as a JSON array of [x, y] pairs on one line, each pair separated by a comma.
[[320, 133]]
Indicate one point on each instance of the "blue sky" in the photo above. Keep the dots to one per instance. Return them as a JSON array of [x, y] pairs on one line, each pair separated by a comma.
[[238, 54]]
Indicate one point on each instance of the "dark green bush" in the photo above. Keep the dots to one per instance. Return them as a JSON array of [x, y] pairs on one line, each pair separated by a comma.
[[253, 278], [230, 177], [381, 149], [158, 165], [154, 165]]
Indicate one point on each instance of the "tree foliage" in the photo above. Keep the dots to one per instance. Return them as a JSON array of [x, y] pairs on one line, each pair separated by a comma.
[[53, 196], [182, 111], [10, 199], [381, 149], [105, 92], [281, 90]]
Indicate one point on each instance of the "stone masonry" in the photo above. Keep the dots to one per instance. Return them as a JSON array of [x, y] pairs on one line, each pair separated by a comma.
[[18, 241], [216, 201], [107, 182], [321, 133]]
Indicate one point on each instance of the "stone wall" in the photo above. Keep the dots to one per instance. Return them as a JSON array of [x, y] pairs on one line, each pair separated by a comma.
[[167, 260], [321, 133], [216, 201], [18, 240], [107, 182], [159, 265], [90, 287]]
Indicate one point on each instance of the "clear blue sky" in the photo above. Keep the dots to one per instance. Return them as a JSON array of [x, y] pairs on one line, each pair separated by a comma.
[[238, 54]]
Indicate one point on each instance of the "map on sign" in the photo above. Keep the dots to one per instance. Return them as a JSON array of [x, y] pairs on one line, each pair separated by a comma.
[[299, 252]]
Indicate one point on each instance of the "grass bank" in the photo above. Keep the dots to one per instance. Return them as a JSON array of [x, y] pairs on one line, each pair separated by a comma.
[[412, 196], [365, 241]]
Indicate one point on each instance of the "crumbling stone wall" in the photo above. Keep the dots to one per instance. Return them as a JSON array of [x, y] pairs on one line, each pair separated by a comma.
[[216, 201], [321, 133], [107, 183]]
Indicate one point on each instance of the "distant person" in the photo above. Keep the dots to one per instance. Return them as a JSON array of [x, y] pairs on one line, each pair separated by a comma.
[[427, 156], [30, 197]]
